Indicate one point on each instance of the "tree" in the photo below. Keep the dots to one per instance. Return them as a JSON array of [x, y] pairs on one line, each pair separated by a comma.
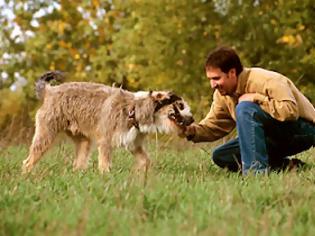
[[143, 44]]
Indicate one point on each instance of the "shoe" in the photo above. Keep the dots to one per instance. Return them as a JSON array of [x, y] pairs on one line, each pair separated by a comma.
[[295, 164]]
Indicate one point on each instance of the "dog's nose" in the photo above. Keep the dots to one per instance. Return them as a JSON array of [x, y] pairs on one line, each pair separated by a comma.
[[188, 120]]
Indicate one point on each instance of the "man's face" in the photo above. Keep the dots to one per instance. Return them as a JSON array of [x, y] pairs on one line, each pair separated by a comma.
[[225, 83]]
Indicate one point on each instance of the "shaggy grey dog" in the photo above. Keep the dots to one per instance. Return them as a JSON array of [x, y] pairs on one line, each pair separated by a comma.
[[108, 116]]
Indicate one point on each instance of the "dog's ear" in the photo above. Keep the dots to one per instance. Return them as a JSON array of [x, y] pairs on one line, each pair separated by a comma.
[[174, 97], [164, 96], [163, 99]]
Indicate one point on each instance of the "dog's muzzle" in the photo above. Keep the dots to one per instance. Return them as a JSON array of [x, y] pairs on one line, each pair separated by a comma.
[[188, 120], [181, 120]]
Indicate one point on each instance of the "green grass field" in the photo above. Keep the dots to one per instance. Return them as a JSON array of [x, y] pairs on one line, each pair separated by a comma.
[[182, 194]]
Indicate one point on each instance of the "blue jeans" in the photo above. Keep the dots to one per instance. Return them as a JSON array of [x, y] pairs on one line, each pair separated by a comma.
[[263, 142]]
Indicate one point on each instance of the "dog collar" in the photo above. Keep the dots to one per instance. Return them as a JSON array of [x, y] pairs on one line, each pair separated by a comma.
[[132, 117]]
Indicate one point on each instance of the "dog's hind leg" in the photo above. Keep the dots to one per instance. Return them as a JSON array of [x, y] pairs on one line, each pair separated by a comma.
[[42, 140], [104, 156], [142, 159], [83, 149]]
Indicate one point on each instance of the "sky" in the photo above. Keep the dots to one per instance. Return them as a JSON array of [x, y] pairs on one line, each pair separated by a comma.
[[6, 12], [18, 36]]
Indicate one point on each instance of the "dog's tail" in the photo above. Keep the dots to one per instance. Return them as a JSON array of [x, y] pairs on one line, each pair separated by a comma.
[[48, 77]]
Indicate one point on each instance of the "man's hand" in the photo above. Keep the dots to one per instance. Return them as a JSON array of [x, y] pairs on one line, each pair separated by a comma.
[[249, 97], [188, 131]]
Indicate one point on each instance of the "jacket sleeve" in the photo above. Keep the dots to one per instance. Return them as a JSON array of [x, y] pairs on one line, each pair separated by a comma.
[[216, 124], [278, 100]]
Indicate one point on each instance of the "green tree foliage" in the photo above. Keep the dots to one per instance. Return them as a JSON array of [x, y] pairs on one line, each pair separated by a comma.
[[277, 35], [143, 44]]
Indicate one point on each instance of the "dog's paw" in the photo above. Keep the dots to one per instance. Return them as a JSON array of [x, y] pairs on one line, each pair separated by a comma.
[[104, 169], [26, 168]]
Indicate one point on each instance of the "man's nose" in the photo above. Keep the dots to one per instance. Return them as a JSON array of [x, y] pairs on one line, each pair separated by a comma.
[[213, 84]]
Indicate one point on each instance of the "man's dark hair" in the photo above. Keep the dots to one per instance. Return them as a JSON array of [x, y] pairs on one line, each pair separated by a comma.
[[224, 58]]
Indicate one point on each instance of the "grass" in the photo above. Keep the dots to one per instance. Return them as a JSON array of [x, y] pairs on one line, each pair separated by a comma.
[[182, 194]]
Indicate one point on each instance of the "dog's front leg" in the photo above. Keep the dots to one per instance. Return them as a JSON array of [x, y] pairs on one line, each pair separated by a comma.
[[104, 157], [142, 159]]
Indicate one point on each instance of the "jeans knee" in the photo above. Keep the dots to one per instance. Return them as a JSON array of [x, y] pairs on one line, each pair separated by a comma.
[[225, 160], [216, 156], [246, 108]]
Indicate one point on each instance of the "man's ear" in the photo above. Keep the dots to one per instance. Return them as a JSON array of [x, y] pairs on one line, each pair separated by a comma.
[[232, 72]]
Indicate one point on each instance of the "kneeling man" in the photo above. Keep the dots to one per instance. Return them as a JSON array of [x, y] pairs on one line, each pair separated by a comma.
[[274, 120]]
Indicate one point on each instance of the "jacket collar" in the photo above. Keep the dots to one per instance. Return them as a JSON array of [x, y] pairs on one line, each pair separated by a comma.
[[242, 82]]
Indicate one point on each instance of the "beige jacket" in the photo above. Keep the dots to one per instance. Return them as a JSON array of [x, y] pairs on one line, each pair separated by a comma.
[[275, 94]]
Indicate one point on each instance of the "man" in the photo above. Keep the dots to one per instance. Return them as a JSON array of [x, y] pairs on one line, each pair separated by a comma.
[[273, 118]]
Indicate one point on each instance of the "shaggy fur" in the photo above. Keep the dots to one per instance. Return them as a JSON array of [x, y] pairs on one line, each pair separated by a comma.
[[110, 117]]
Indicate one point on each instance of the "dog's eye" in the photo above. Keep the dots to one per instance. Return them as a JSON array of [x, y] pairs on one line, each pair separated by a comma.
[[181, 106]]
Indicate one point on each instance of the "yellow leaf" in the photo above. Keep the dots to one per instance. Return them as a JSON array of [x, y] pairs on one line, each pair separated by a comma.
[[73, 52], [287, 39], [301, 27], [61, 27], [77, 56], [52, 66], [273, 22], [131, 66], [79, 67], [96, 3], [298, 40], [291, 40], [63, 44]]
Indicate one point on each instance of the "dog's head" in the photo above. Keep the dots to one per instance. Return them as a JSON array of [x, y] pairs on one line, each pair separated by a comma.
[[166, 111]]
